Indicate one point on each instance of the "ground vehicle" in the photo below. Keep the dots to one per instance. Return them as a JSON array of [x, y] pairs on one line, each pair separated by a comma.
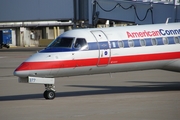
[[5, 38]]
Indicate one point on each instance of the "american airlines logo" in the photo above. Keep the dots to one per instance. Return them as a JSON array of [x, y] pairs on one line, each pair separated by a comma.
[[155, 33]]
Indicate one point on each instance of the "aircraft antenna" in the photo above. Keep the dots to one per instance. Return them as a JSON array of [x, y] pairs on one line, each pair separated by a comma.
[[167, 20]]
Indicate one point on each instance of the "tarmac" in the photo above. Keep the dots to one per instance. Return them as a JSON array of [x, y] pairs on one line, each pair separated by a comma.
[[138, 95]]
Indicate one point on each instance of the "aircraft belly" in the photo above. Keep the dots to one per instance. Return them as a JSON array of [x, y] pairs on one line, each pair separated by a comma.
[[173, 65]]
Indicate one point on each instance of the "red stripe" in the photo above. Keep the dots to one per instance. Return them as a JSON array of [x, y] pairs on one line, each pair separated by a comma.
[[94, 61]]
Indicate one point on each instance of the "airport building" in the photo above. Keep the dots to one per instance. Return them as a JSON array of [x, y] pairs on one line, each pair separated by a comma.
[[38, 22]]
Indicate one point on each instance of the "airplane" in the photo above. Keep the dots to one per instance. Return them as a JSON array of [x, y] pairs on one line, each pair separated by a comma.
[[103, 50]]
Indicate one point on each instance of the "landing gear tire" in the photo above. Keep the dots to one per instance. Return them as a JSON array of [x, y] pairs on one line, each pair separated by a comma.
[[49, 94]]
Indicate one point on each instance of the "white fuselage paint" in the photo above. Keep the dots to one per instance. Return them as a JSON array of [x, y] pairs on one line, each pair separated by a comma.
[[113, 65]]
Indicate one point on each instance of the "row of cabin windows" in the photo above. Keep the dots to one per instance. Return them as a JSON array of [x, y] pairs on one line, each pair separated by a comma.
[[149, 42], [81, 43]]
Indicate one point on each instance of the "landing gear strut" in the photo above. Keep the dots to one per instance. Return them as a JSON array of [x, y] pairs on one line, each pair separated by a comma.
[[49, 93]]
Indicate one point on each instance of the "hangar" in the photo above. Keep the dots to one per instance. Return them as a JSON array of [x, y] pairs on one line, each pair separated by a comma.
[[36, 23]]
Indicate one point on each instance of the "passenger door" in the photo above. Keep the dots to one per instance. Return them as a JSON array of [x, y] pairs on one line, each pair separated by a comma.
[[104, 48]]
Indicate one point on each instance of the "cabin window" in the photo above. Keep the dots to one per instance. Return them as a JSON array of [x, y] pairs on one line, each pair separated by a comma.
[[121, 45], [143, 42], [159, 41], [131, 43], [154, 42], [177, 40], [80, 43], [64, 42], [171, 40], [137, 43], [125, 44], [113, 44], [165, 40], [148, 42]]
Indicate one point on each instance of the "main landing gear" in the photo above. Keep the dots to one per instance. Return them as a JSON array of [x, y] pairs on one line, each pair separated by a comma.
[[49, 93]]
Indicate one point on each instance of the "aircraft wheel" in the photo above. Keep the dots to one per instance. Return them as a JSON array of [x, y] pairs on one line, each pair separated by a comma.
[[49, 94], [8, 46]]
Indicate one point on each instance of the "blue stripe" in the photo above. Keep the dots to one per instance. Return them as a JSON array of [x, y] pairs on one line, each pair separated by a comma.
[[56, 49], [148, 42], [171, 40], [159, 41], [125, 42], [114, 45], [103, 45], [137, 43], [93, 46]]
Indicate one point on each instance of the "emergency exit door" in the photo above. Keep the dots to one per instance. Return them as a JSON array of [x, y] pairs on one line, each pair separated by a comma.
[[104, 48]]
